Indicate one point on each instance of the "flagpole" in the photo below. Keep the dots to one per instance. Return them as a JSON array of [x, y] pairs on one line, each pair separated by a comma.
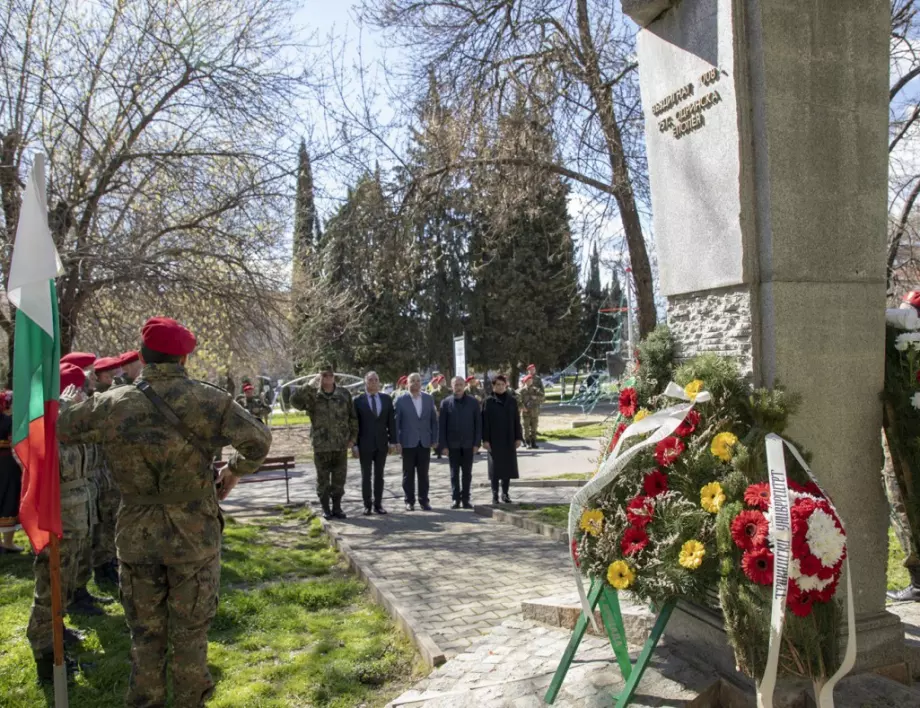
[[57, 624]]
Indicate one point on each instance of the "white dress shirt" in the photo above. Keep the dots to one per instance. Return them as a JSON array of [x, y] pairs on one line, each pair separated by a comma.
[[417, 402]]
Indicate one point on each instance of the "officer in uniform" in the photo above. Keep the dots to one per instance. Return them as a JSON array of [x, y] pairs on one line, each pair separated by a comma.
[[108, 370], [475, 390], [531, 398], [160, 437], [333, 432], [254, 404], [131, 366], [537, 381], [76, 523], [440, 391]]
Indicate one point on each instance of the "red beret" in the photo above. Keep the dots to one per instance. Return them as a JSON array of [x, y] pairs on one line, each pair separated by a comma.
[[71, 374], [402, 380], [247, 387], [527, 378], [107, 363], [913, 298], [470, 379], [84, 360], [531, 366], [166, 336], [128, 357]]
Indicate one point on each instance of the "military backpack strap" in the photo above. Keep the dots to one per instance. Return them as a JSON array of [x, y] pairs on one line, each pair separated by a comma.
[[173, 419]]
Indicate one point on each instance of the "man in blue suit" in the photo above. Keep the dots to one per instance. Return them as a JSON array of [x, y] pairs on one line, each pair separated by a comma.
[[376, 437], [417, 428]]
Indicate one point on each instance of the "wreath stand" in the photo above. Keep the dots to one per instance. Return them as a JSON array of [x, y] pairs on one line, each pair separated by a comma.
[[608, 598]]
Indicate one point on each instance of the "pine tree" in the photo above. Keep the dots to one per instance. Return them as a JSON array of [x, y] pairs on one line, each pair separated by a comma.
[[304, 273]]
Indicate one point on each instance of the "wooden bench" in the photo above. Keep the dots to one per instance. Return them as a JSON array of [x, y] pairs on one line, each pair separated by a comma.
[[271, 465]]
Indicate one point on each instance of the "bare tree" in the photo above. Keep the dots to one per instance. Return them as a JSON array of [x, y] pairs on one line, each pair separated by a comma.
[[166, 125], [577, 57]]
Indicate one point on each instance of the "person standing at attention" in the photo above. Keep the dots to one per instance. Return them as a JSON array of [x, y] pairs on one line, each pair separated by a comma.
[[417, 432], [501, 436], [460, 435], [376, 438]]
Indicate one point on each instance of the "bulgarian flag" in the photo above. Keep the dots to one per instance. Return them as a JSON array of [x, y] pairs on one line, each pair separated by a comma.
[[36, 362]]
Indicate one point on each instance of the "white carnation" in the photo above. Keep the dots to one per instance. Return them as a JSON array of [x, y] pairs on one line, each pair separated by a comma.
[[901, 343], [825, 540], [915, 401]]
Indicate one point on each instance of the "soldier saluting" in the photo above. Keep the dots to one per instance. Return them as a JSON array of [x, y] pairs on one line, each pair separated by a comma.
[[160, 436]]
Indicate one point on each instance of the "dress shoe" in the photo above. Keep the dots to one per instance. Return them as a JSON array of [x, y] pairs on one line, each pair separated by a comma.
[[379, 509], [367, 510], [505, 498], [425, 506], [467, 505], [495, 499], [455, 505], [410, 507], [912, 592]]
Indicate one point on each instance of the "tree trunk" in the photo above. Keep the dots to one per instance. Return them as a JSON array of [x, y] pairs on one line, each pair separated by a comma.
[[602, 93]]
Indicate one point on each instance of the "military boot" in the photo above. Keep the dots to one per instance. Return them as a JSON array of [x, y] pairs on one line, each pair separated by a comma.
[[912, 592], [533, 442], [337, 512], [44, 668], [83, 603], [106, 574], [327, 512]]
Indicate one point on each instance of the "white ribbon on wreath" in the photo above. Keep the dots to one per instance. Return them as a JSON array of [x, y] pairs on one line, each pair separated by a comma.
[[662, 424]]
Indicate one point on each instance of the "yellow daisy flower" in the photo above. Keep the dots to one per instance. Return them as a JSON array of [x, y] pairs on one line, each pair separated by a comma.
[[592, 521], [712, 497], [692, 554], [722, 445], [693, 388], [640, 414], [620, 575]]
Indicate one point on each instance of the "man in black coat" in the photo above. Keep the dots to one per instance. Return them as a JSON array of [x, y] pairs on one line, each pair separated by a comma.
[[460, 434], [502, 435], [376, 438]]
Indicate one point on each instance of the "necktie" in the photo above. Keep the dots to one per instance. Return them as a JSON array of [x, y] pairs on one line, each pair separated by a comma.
[[374, 404]]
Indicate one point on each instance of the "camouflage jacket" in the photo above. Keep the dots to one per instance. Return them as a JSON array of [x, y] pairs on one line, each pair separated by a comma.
[[439, 394], [169, 510], [531, 397], [255, 405], [78, 493], [333, 421], [537, 383], [476, 392]]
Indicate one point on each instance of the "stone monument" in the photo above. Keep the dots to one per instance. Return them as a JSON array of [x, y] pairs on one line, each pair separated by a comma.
[[766, 130]]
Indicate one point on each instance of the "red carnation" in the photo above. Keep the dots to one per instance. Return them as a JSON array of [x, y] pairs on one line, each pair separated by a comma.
[[827, 594], [668, 450], [749, 530], [758, 565], [688, 425], [629, 402], [634, 540], [639, 511], [616, 437], [758, 495], [799, 601], [655, 483]]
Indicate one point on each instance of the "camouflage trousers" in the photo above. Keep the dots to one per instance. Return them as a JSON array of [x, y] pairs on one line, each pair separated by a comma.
[[898, 511], [72, 550], [331, 470], [530, 420], [169, 604], [104, 532]]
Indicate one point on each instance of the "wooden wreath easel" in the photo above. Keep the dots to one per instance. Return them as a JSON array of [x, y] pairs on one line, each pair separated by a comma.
[[601, 592]]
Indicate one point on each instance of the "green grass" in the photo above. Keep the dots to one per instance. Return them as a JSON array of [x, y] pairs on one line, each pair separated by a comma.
[[898, 579], [583, 433], [293, 628], [277, 419], [570, 475], [554, 514]]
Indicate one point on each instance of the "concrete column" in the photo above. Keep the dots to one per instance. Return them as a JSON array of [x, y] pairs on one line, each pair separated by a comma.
[[767, 128]]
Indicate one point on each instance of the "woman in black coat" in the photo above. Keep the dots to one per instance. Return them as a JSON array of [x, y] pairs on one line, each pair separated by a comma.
[[502, 435]]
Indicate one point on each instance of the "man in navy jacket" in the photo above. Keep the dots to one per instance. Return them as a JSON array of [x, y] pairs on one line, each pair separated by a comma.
[[376, 437], [461, 435]]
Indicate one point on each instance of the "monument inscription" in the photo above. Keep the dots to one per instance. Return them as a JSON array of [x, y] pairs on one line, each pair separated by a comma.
[[688, 118]]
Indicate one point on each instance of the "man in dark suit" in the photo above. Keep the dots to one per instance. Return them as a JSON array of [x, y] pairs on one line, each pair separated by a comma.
[[376, 438], [417, 428], [460, 436]]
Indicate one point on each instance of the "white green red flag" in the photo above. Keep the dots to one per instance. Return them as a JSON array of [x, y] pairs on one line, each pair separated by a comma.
[[36, 362]]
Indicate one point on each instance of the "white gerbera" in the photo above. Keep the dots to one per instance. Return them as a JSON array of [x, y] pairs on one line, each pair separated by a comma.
[[825, 540]]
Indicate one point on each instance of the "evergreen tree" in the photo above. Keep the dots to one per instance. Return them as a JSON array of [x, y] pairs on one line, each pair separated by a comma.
[[304, 274]]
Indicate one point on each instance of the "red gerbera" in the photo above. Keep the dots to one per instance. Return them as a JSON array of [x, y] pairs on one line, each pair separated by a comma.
[[827, 594], [639, 511], [749, 529], [758, 495], [799, 601], [629, 402], [668, 450], [688, 425], [616, 437], [633, 541], [575, 553], [758, 565], [655, 483]]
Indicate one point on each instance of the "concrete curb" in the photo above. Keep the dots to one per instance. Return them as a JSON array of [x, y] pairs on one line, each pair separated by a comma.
[[542, 483], [522, 522], [432, 654]]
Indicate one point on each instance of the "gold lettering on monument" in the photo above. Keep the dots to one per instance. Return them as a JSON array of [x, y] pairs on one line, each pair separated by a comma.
[[687, 118]]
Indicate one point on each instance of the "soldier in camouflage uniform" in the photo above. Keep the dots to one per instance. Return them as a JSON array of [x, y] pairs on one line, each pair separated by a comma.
[[440, 391], [531, 397], [254, 404], [333, 432], [475, 390], [108, 499], [76, 522], [169, 526], [131, 366]]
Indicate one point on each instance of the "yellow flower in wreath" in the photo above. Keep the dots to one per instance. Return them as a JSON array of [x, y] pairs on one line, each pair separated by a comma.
[[723, 446], [693, 388], [692, 554], [712, 497], [592, 521], [620, 575], [640, 414]]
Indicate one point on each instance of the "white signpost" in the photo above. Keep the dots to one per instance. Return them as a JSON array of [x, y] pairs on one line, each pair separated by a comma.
[[460, 356]]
